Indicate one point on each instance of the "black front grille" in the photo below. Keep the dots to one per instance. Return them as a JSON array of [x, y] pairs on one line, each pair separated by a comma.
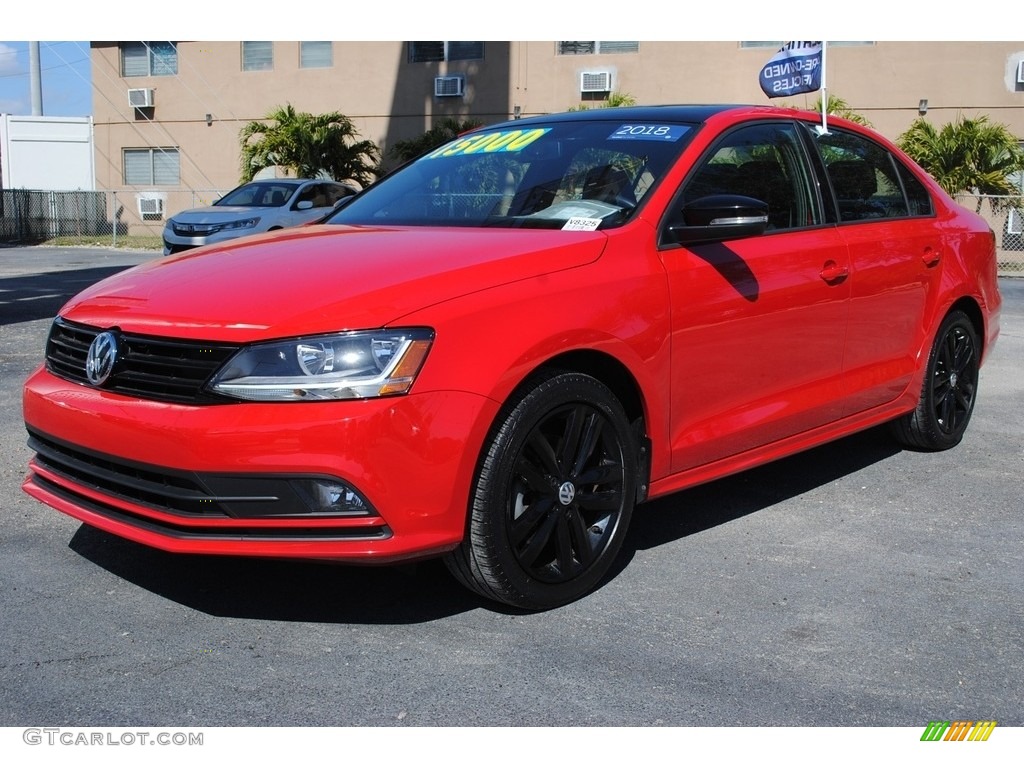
[[194, 230], [179, 493], [149, 367], [184, 494]]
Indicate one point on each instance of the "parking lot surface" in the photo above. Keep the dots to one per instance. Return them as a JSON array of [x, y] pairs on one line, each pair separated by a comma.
[[853, 585]]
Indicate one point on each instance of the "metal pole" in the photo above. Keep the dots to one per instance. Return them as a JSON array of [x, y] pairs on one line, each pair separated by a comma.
[[35, 79], [824, 90]]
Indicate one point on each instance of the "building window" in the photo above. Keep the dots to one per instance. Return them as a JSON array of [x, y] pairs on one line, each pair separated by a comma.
[[152, 166], [257, 56], [148, 58], [445, 50], [577, 47], [314, 55]]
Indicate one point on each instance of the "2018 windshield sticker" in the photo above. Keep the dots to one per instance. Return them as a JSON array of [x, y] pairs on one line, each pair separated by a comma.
[[493, 141], [649, 132]]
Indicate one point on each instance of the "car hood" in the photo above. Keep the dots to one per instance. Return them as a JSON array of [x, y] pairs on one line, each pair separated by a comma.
[[212, 214], [321, 278]]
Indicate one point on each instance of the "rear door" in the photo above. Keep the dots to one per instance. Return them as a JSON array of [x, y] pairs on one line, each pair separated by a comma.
[[896, 252]]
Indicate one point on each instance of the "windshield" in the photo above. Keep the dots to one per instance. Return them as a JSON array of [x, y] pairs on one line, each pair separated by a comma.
[[264, 194], [562, 175]]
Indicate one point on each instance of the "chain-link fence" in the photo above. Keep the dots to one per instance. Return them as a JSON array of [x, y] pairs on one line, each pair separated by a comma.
[[32, 216]]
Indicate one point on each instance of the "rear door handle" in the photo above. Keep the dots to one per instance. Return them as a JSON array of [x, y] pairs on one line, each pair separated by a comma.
[[931, 256]]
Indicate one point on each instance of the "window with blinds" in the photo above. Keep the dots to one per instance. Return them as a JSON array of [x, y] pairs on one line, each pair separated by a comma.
[[142, 59], [315, 54], [579, 47], [152, 166], [257, 56], [445, 50]]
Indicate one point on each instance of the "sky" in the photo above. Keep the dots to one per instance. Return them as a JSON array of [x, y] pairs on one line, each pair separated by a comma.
[[66, 75]]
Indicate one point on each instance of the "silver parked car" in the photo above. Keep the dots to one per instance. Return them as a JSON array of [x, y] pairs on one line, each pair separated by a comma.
[[259, 206]]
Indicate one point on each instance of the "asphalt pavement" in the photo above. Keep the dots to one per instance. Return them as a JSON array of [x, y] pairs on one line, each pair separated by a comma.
[[852, 585]]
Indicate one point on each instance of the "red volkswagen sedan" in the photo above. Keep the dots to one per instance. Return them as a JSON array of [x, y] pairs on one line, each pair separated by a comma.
[[496, 353]]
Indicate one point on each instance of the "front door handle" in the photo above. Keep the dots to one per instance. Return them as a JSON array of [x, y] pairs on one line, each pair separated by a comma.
[[833, 273]]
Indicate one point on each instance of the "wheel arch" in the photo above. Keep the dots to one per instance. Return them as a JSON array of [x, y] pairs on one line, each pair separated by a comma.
[[970, 307], [620, 380]]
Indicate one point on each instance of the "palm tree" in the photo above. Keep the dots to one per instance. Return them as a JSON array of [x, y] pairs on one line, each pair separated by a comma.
[[838, 107], [308, 145], [615, 99], [442, 133], [968, 155]]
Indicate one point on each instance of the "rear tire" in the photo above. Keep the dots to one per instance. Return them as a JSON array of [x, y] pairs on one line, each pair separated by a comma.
[[553, 496], [949, 389]]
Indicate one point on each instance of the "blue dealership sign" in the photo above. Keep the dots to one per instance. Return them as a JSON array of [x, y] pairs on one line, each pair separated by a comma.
[[796, 68]]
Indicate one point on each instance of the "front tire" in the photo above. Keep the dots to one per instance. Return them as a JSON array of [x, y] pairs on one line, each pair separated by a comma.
[[949, 390], [553, 497]]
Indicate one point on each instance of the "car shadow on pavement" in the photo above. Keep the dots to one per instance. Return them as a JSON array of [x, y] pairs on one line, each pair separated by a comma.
[[689, 512], [40, 296], [257, 588]]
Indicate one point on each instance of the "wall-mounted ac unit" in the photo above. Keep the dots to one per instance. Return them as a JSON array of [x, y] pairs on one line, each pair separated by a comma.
[[1015, 221], [151, 205], [140, 98], [1020, 71], [595, 82], [452, 85]]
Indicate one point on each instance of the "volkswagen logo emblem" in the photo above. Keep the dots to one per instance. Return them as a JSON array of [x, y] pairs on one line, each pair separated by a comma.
[[101, 358], [566, 493]]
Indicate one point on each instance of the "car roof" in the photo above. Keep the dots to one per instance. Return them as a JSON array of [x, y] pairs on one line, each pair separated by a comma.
[[293, 182], [682, 113]]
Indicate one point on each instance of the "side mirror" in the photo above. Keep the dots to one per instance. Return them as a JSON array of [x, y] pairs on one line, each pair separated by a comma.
[[716, 218], [303, 205]]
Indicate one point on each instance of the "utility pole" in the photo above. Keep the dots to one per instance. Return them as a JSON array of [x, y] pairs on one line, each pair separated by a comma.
[[35, 79]]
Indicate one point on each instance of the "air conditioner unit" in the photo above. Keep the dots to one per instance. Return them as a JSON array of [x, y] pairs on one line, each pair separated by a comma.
[[1020, 71], [1015, 221], [595, 82], [140, 98], [151, 204], [452, 85]]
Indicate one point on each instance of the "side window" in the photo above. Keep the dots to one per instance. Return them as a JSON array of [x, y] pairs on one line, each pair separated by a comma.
[[918, 199], [764, 161], [336, 192], [314, 193], [868, 182]]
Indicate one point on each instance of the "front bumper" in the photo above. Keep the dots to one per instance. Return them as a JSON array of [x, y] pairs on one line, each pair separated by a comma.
[[174, 243], [156, 473]]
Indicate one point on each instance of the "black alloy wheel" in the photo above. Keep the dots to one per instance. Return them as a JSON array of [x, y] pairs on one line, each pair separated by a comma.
[[949, 390], [553, 497]]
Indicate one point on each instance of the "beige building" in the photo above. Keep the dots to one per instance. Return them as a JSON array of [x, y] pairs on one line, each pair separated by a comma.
[[167, 115]]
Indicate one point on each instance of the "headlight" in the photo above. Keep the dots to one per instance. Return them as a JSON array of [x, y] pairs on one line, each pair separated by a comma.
[[240, 224], [341, 366]]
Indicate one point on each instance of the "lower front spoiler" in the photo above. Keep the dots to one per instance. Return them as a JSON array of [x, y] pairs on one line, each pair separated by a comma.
[[320, 539]]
